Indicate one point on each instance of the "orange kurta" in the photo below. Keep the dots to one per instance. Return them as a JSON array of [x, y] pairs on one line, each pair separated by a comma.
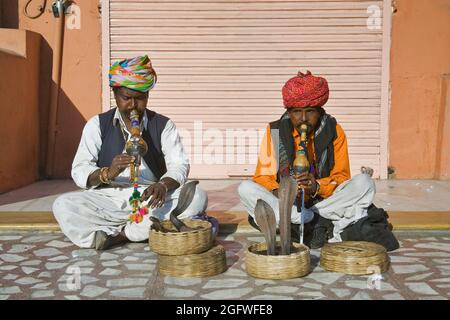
[[266, 168]]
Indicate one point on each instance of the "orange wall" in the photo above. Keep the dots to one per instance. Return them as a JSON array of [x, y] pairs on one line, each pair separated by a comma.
[[420, 56], [80, 97], [443, 154], [19, 103]]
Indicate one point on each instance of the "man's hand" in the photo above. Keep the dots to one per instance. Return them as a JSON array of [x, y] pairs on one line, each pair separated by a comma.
[[119, 164], [307, 181], [157, 194]]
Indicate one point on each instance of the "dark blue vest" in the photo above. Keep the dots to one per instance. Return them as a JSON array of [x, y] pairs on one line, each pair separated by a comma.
[[113, 142]]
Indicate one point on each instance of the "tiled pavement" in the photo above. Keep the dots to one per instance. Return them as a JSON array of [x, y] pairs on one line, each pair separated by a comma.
[[40, 265]]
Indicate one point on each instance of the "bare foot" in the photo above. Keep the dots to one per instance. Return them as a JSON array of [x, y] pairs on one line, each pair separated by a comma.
[[104, 241]]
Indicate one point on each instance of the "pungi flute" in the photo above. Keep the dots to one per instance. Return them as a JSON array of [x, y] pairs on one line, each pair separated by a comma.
[[300, 165]]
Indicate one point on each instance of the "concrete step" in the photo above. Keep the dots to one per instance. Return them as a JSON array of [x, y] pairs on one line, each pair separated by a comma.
[[230, 221]]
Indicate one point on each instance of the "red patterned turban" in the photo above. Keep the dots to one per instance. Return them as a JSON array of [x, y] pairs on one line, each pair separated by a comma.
[[305, 90]]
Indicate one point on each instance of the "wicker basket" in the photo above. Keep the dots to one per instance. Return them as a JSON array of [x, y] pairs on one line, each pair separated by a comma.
[[354, 257], [182, 243], [260, 265], [206, 264]]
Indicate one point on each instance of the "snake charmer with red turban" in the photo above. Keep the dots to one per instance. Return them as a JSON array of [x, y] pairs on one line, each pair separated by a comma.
[[303, 97], [333, 202]]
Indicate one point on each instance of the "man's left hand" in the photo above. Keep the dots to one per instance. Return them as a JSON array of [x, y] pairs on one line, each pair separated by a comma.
[[157, 194], [307, 181]]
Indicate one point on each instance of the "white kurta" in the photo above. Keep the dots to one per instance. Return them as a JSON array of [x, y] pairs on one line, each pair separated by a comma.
[[81, 213], [346, 205]]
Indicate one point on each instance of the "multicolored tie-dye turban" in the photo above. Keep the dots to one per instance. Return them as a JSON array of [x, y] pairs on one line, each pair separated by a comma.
[[135, 73], [305, 90]]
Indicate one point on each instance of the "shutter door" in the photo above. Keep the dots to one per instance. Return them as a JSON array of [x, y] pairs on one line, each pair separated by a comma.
[[221, 65]]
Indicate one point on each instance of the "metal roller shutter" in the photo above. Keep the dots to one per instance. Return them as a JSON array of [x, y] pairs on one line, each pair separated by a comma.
[[221, 65]]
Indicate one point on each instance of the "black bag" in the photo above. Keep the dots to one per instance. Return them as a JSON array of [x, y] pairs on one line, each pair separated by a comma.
[[373, 228]]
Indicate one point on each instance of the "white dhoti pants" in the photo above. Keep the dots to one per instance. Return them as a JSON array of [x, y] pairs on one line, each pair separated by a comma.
[[346, 205], [250, 192], [81, 213]]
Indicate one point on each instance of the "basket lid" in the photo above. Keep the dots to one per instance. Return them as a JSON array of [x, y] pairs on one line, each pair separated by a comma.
[[354, 249]]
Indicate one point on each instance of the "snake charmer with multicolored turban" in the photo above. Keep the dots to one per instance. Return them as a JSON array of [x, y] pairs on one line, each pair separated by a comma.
[[105, 215], [334, 201]]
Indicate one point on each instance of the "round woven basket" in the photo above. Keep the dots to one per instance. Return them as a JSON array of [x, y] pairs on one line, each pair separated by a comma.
[[204, 264], [181, 243], [354, 257], [260, 265]]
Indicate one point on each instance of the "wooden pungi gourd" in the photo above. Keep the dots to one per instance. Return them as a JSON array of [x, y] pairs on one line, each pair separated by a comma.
[[300, 165], [136, 147]]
